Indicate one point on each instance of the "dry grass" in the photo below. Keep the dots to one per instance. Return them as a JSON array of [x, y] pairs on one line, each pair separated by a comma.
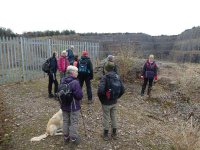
[[130, 67], [5, 125], [186, 137], [184, 79], [189, 81]]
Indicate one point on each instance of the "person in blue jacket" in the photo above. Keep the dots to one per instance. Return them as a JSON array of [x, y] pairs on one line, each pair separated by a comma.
[[70, 54]]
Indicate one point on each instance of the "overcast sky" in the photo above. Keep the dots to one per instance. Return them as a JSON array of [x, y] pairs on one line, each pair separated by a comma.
[[153, 17]]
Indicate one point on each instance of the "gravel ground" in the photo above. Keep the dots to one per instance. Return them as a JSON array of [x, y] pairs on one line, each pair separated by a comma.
[[144, 123]]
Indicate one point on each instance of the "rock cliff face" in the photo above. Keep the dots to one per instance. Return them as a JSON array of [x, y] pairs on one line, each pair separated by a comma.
[[184, 47]]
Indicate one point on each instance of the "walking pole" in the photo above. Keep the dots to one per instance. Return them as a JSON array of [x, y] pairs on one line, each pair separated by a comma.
[[83, 122]]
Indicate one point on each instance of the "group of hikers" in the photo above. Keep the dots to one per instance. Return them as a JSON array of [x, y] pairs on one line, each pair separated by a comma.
[[68, 58], [74, 72]]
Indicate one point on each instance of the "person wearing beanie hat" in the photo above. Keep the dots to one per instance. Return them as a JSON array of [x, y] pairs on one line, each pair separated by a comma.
[[70, 54], [52, 75], [71, 111], [110, 58], [149, 74], [109, 90], [85, 73], [84, 53]]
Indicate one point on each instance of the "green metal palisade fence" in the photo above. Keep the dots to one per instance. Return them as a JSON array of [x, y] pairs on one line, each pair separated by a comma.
[[21, 58]]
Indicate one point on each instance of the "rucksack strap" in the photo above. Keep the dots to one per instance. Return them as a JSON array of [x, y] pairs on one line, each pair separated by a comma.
[[107, 82], [151, 65], [66, 84]]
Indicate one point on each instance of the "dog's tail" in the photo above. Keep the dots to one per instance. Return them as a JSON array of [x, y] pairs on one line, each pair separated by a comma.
[[39, 138]]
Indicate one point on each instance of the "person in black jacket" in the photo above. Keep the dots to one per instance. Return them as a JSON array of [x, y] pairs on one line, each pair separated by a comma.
[[109, 90], [85, 73], [52, 75]]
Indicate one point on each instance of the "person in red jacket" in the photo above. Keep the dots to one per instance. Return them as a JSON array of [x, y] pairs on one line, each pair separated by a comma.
[[149, 74], [63, 63]]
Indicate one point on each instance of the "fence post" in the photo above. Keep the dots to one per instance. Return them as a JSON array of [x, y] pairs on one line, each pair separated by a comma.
[[22, 53], [49, 47], [4, 59], [1, 63]]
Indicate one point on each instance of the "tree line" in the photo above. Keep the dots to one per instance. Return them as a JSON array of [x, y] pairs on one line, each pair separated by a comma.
[[48, 33], [4, 32]]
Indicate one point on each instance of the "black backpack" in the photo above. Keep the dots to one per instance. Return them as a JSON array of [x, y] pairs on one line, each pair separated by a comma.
[[114, 87], [83, 66], [65, 94], [46, 66]]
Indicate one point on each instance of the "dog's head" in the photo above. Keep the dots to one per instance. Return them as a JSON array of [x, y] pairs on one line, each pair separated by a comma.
[[60, 112]]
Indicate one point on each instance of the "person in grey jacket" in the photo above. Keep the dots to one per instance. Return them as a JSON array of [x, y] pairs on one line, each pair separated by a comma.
[[71, 111]]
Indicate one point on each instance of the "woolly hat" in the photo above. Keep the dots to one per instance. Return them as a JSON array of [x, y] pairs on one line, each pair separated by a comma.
[[109, 66], [110, 58], [84, 53]]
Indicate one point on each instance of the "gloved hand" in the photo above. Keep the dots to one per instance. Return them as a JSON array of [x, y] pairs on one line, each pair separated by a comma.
[[155, 79]]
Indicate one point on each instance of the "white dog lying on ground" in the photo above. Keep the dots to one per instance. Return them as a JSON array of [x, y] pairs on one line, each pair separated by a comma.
[[54, 127]]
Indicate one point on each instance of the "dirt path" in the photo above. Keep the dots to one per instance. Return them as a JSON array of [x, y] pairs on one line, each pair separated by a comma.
[[143, 122]]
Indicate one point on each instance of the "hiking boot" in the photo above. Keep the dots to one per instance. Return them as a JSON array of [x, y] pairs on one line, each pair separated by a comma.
[[51, 95], [66, 139], [142, 93], [114, 134], [149, 92], [105, 135], [56, 96], [76, 141]]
